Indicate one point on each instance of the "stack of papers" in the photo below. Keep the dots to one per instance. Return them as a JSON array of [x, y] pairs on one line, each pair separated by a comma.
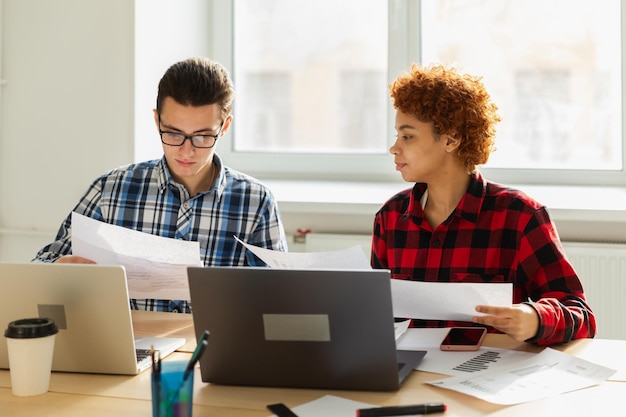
[[540, 376]]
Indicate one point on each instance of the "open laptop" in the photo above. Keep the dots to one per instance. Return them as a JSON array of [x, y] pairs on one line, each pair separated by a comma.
[[90, 306], [329, 329]]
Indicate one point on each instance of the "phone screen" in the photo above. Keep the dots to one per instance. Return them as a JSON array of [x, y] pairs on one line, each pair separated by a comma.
[[464, 336]]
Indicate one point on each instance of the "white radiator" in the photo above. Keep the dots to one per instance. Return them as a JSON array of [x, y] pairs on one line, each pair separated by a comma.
[[600, 266], [602, 270]]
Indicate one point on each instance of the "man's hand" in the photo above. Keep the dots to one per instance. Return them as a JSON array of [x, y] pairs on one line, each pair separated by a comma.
[[73, 259], [520, 321]]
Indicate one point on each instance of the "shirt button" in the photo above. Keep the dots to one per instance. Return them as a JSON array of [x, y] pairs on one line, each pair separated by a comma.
[[186, 206], [436, 243]]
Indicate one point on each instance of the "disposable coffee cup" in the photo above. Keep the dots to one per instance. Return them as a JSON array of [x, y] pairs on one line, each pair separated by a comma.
[[30, 343]]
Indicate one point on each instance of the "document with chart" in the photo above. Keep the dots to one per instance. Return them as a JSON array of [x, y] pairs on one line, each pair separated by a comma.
[[542, 375], [456, 363]]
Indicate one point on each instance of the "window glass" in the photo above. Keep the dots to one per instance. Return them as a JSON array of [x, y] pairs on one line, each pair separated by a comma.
[[311, 77], [553, 67], [311, 81]]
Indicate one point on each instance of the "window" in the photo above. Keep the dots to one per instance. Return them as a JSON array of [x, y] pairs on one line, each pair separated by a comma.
[[311, 87], [311, 80], [266, 110], [554, 68], [307, 73]]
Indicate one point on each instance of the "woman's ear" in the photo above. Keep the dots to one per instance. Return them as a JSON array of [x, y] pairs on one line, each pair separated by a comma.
[[452, 143]]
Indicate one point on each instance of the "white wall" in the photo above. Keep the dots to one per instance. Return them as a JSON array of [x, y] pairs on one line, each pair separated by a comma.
[[166, 31], [67, 109], [72, 70]]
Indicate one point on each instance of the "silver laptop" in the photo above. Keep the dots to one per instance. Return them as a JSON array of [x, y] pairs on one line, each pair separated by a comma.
[[329, 329], [90, 306]]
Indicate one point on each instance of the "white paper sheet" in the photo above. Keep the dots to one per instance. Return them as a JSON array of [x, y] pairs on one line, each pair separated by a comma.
[[329, 406], [400, 328], [542, 375], [156, 267], [446, 300], [350, 258], [609, 353]]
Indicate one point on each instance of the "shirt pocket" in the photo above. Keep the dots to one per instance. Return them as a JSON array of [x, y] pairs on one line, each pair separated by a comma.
[[477, 278]]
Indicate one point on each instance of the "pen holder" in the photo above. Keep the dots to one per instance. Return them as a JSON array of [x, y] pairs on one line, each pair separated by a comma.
[[171, 397]]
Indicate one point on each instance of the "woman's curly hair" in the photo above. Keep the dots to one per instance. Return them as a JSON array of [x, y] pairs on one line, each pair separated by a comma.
[[457, 104]]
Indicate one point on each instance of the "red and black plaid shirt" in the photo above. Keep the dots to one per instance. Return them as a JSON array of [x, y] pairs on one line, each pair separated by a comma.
[[495, 234]]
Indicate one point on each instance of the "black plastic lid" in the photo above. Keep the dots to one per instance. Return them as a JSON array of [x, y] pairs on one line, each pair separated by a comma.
[[31, 328]]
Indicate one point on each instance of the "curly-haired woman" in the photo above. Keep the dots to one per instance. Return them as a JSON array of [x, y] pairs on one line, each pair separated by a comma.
[[453, 225]]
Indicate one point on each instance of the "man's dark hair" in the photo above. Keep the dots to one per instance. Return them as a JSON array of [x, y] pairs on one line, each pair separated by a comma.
[[197, 82]]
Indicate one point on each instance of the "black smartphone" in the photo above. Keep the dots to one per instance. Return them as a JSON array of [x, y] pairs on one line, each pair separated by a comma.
[[464, 338], [281, 410]]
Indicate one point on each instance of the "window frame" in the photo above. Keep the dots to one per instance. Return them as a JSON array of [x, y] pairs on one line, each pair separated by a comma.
[[404, 35]]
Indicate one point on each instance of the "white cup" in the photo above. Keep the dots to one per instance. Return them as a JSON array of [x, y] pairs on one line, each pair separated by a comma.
[[30, 344]]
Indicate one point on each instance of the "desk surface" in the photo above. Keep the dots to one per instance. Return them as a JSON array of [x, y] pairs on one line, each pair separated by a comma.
[[114, 395]]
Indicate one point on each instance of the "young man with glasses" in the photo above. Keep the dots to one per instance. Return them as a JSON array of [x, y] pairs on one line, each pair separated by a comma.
[[188, 194]]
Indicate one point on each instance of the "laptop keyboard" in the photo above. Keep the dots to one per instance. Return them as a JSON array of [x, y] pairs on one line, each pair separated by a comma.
[[142, 355]]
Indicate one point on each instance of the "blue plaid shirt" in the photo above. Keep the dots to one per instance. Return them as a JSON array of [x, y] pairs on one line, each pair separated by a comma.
[[145, 197]]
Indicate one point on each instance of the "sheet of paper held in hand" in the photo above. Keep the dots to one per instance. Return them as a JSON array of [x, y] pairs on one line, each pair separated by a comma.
[[423, 300], [446, 300], [350, 258], [156, 267]]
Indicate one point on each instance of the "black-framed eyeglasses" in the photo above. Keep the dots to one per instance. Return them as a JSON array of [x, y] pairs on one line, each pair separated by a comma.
[[197, 141]]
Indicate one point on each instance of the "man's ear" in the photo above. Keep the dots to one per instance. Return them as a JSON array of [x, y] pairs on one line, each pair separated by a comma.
[[156, 118], [452, 143], [227, 123]]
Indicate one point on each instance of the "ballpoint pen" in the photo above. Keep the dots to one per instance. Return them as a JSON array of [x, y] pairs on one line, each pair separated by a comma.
[[402, 410], [155, 355], [195, 357], [152, 359]]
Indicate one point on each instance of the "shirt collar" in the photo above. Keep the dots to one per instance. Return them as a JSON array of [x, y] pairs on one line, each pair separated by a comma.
[[468, 208], [164, 176], [470, 205], [414, 207], [219, 185]]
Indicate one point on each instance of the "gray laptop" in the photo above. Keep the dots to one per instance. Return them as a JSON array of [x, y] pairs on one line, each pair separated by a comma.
[[90, 305], [329, 329]]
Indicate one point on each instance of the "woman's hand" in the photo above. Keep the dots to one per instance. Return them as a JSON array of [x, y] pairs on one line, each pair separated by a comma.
[[520, 321]]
